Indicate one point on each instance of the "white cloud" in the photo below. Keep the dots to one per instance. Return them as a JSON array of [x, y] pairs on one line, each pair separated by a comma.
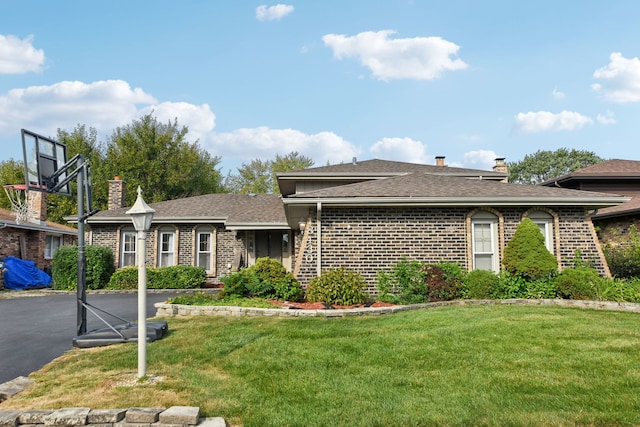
[[480, 159], [273, 13], [246, 144], [621, 79], [418, 58], [19, 56], [557, 94], [401, 150], [198, 118], [606, 119], [103, 105], [542, 121]]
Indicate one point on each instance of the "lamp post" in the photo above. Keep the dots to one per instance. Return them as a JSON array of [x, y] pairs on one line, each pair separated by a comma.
[[141, 215]]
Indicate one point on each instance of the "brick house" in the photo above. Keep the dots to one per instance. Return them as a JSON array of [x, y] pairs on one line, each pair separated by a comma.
[[612, 176], [36, 239], [365, 216]]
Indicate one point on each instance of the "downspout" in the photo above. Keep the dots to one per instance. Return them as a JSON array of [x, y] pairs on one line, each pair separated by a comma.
[[319, 240]]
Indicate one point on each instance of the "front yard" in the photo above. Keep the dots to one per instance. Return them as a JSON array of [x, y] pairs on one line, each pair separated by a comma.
[[488, 365]]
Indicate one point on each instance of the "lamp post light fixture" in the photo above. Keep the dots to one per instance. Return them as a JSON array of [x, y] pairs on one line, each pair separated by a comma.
[[142, 215]]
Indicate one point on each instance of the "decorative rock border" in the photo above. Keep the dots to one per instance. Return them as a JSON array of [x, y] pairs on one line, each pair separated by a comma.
[[175, 310], [175, 416]]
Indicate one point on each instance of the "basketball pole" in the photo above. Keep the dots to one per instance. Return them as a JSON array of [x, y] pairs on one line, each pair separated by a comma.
[[82, 259]]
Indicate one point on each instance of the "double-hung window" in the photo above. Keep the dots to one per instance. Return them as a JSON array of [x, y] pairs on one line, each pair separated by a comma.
[[484, 235], [166, 250], [204, 253], [128, 248], [544, 221]]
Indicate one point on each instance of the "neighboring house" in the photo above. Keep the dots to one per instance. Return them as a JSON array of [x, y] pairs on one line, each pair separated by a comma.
[[611, 176], [36, 239], [365, 216]]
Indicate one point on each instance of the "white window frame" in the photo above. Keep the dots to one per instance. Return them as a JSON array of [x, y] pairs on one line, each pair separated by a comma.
[[166, 256], [209, 253], [128, 238], [486, 218], [52, 244]]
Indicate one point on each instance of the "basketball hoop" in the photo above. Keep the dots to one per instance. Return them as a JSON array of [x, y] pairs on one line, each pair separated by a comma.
[[19, 199]]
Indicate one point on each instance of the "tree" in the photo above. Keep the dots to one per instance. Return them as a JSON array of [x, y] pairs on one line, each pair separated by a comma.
[[260, 176], [526, 254], [159, 159], [544, 165], [11, 172]]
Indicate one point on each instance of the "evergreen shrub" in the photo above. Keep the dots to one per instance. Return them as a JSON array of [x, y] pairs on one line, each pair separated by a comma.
[[337, 287], [578, 283], [526, 254], [172, 277], [98, 271], [267, 278], [480, 284]]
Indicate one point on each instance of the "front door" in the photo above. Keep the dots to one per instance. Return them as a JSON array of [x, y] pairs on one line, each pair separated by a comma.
[[269, 243]]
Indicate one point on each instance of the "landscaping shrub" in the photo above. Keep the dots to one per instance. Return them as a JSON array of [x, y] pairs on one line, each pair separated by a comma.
[[480, 284], [337, 286], [578, 283], [267, 278], [510, 286], [624, 260], [173, 277], [526, 255], [405, 284], [98, 271], [444, 281], [623, 290]]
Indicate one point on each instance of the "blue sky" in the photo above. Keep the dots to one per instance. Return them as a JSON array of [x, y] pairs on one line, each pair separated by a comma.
[[397, 80]]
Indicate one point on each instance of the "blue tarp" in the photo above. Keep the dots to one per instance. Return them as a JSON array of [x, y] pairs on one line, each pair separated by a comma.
[[23, 274]]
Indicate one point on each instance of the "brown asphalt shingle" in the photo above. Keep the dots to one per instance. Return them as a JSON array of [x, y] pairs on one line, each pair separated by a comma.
[[232, 208]]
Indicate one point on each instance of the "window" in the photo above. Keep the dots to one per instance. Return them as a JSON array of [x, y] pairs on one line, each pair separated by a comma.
[[128, 248], [544, 221], [204, 246], [166, 249], [52, 243], [484, 235]]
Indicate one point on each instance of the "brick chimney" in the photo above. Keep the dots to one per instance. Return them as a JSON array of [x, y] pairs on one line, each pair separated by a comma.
[[501, 167], [116, 193], [440, 160], [37, 205]]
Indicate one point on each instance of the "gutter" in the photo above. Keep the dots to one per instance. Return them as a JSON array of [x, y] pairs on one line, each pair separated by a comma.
[[592, 202]]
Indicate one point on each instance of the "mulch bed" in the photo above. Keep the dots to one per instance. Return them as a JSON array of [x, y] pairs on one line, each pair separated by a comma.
[[324, 306]]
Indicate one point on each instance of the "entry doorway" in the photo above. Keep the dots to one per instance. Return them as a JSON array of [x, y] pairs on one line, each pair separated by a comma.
[[274, 244]]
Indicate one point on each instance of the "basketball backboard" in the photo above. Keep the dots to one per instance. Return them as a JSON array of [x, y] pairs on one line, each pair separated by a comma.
[[43, 157]]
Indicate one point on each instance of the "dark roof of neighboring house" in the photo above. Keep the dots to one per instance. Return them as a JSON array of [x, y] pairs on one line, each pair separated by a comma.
[[615, 170], [8, 218], [421, 188], [234, 210]]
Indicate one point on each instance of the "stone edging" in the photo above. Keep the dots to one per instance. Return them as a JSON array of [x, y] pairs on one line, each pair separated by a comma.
[[175, 416], [174, 310]]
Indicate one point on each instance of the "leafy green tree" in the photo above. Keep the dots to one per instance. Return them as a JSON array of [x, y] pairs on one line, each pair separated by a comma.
[[157, 157], [11, 172], [526, 254], [544, 165], [259, 176]]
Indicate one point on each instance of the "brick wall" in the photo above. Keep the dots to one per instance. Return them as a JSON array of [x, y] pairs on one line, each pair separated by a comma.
[[371, 239], [616, 231], [34, 241]]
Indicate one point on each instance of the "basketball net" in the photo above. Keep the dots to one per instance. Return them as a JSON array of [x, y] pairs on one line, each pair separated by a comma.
[[21, 203]]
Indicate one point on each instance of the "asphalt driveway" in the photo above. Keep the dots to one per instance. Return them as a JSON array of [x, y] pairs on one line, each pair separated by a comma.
[[35, 330]]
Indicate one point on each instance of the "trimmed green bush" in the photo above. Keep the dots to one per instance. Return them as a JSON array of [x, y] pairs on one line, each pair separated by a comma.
[[480, 284], [526, 254], [404, 284], [173, 277], [267, 278], [98, 271], [337, 286], [578, 283]]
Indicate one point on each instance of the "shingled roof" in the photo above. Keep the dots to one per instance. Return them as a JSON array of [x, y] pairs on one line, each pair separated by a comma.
[[7, 218], [236, 211], [428, 189], [614, 169]]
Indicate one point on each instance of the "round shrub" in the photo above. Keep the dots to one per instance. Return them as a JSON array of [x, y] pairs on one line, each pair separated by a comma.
[[267, 278], [480, 284], [577, 283], [526, 254], [444, 281], [337, 286]]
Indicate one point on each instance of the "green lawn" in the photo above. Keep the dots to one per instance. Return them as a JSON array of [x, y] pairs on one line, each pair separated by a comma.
[[480, 365]]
